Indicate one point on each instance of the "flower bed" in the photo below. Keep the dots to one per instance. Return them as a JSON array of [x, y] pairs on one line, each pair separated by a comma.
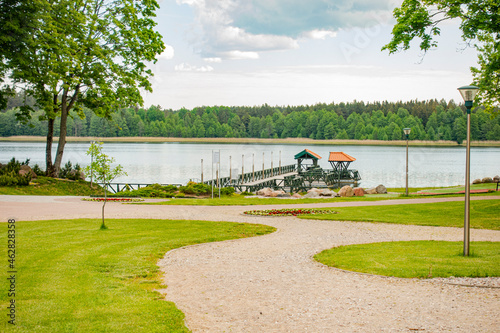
[[114, 199], [288, 212]]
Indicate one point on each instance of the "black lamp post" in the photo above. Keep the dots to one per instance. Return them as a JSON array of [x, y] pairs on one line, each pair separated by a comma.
[[407, 135], [468, 93]]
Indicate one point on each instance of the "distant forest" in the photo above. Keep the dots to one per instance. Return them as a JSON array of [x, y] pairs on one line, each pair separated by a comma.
[[428, 120]]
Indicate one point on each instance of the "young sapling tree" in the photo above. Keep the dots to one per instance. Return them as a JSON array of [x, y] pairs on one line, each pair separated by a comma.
[[100, 168]]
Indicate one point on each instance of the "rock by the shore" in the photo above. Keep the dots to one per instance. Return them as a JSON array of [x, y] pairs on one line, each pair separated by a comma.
[[284, 195], [496, 179], [487, 180], [346, 191], [327, 193], [312, 194], [26, 169], [296, 196], [372, 190], [265, 192], [381, 189], [477, 181], [359, 192]]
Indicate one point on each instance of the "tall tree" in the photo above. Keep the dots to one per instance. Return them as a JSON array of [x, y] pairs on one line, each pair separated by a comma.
[[16, 24], [480, 26], [85, 53]]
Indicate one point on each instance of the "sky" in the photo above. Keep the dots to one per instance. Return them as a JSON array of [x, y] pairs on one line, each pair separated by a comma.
[[297, 52]]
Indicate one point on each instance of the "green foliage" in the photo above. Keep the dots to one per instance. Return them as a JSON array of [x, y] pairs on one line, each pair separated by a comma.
[[430, 120], [9, 174], [151, 191], [76, 54], [480, 26], [70, 172], [100, 168], [196, 188]]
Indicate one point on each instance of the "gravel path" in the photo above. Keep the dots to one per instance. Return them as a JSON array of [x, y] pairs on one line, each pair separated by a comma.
[[271, 284]]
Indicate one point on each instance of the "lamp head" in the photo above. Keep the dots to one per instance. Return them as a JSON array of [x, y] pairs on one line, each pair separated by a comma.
[[468, 92]]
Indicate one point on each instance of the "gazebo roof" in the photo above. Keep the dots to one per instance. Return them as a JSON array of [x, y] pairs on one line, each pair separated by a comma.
[[339, 156], [306, 153]]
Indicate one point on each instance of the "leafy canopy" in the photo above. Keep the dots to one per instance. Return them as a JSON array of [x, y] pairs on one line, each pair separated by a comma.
[[100, 165], [480, 26]]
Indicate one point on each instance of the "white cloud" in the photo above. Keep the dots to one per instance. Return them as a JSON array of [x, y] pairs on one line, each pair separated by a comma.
[[213, 60], [237, 55], [319, 34], [225, 26], [168, 53], [185, 67]]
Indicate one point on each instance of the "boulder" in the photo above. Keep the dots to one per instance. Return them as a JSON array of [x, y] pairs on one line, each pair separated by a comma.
[[477, 181], [284, 195], [346, 191], [487, 180], [312, 194], [359, 192], [496, 179], [26, 169], [317, 190], [327, 193], [265, 192], [372, 190], [297, 196], [75, 174], [272, 195], [381, 189]]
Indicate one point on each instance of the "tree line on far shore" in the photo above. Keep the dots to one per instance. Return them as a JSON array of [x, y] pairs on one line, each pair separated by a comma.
[[429, 120]]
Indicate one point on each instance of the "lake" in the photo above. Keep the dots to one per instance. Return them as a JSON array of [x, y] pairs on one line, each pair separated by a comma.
[[177, 163]]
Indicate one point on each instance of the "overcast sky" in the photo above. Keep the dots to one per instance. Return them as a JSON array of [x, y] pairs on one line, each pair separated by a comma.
[[296, 52]]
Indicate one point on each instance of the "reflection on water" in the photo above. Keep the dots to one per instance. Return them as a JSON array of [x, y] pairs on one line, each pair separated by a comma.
[[176, 163]]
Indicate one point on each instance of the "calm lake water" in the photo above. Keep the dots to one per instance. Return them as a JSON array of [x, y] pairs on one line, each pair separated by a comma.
[[177, 163]]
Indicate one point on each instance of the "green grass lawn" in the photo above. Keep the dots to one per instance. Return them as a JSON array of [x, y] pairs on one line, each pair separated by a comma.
[[417, 259], [484, 214], [73, 277], [51, 186]]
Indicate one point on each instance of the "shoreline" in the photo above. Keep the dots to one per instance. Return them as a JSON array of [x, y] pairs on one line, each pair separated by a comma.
[[255, 140]]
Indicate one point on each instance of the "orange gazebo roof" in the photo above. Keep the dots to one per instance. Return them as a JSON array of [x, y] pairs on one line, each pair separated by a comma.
[[339, 156]]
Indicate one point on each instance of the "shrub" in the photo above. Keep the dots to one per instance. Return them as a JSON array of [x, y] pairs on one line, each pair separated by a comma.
[[70, 172], [227, 190], [9, 174], [150, 191], [37, 170], [195, 188]]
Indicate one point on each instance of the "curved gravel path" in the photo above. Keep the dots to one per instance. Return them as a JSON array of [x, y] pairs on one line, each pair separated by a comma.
[[271, 284]]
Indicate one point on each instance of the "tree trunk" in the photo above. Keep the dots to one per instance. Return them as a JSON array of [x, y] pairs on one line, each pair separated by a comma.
[[65, 107], [49, 170], [103, 226], [62, 138]]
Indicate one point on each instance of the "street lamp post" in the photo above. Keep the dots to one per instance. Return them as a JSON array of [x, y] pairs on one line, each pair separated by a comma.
[[407, 135], [468, 93]]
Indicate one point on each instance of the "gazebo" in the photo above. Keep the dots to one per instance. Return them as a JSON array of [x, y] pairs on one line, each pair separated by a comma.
[[340, 162], [306, 154]]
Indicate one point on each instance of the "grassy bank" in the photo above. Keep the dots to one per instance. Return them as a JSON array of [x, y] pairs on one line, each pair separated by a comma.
[[304, 141], [483, 214], [417, 259], [73, 277], [53, 186]]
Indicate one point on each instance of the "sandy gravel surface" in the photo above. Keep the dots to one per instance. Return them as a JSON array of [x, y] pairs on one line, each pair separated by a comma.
[[271, 284]]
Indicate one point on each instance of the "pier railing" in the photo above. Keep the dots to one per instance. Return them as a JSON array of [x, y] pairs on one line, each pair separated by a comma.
[[119, 187], [250, 177]]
